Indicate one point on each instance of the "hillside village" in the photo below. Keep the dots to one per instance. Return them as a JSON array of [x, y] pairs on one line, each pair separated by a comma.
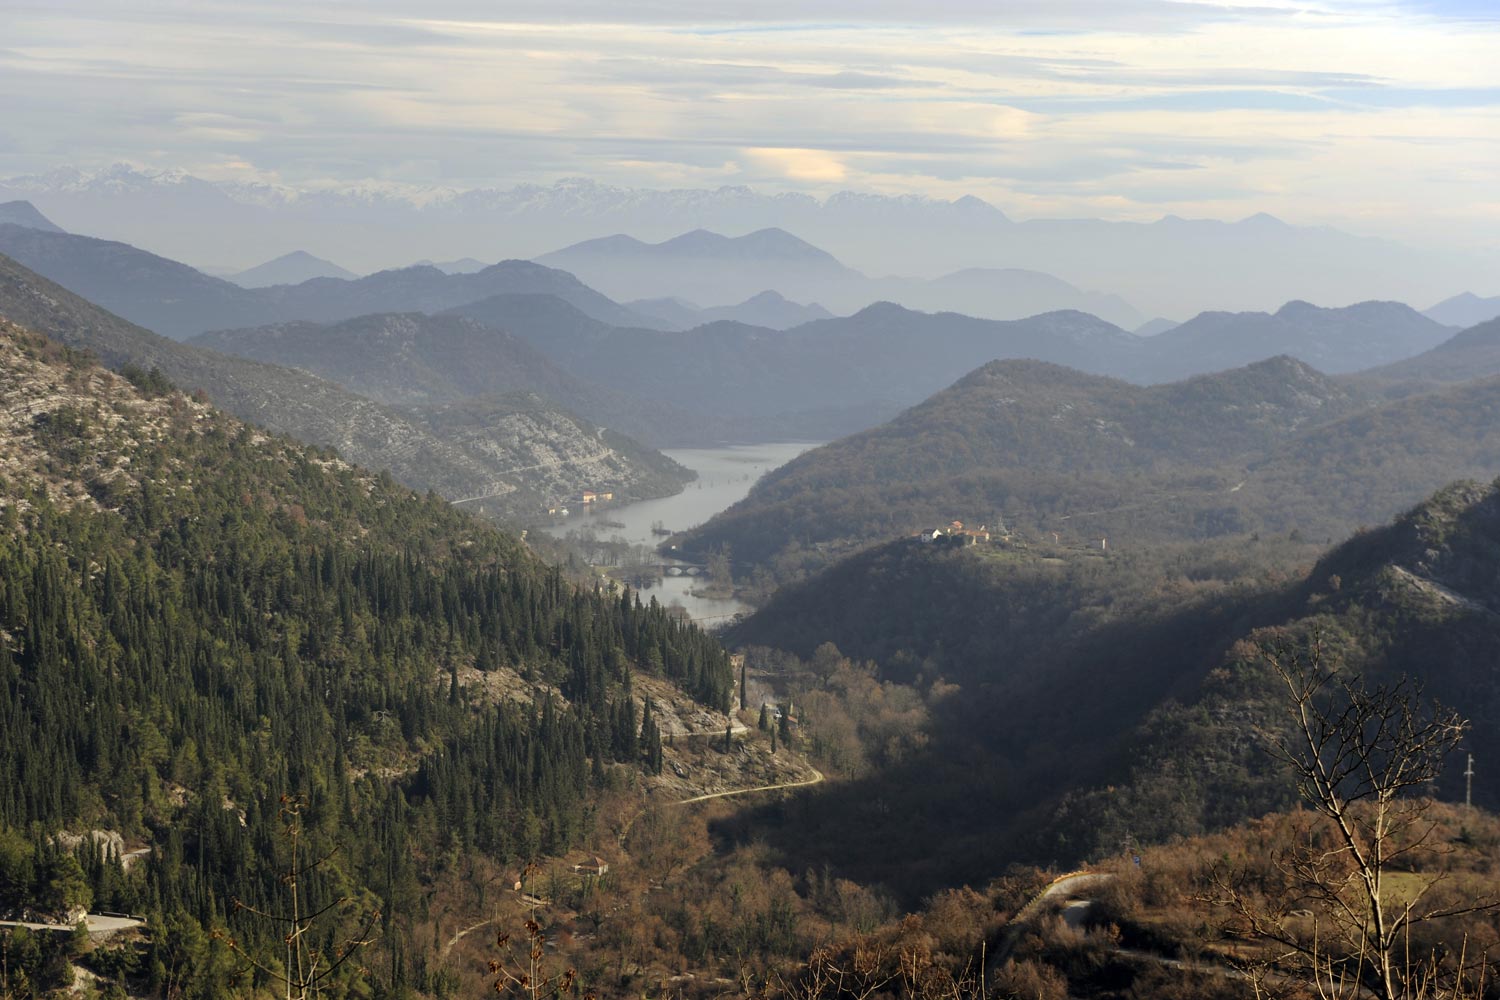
[[584, 498], [955, 533]]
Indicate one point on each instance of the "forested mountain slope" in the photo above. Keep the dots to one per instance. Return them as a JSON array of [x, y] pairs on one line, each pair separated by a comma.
[[1081, 700], [197, 619], [1419, 597], [463, 459], [1038, 448], [1272, 447]]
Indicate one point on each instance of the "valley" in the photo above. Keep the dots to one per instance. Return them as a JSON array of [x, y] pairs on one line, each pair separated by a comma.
[[630, 533], [809, 501], [739, 642]]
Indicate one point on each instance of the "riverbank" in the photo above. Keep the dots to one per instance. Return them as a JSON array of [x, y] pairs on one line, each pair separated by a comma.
[[618, 536]]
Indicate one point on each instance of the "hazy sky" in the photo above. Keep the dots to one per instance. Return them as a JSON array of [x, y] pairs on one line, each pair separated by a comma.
[[1382, 117]]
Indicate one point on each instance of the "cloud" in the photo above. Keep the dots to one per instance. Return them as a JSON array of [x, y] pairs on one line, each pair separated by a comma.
[[1040, 105], [815, 165]]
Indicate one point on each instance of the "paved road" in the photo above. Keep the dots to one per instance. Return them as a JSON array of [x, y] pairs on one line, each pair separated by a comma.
[[817, 777], [95, 923], [737, 728]]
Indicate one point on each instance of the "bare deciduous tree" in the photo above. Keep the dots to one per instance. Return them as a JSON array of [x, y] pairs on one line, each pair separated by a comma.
[[1364, 759]]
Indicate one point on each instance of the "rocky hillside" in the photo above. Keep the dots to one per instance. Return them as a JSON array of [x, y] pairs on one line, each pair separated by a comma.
[[526, 456], [417, 360], [544, 455]]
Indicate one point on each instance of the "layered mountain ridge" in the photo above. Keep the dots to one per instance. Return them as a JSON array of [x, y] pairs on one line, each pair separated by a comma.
[[1275, 446], [495, 458]]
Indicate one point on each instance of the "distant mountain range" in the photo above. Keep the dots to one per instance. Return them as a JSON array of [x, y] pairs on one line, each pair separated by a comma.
[[707, 267], [417, 360], [1152, 327], [873, 363], [1172, 267], [768, 309], [23, 213], [464, 265], [289, 269], [724, 380], [1465, 310], [516, 450], [886, 357], [702, 266], [177, 301], [1356, 337], [1470, 354]]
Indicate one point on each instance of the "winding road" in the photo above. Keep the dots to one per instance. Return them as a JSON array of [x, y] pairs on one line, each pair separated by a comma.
[[448, 946], [94, 923], [815, 779]]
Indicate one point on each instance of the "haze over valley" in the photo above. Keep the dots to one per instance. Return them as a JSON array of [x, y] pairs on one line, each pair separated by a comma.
[[794, 502]]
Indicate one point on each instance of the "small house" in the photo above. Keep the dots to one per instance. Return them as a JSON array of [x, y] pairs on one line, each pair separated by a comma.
[[595, 866]]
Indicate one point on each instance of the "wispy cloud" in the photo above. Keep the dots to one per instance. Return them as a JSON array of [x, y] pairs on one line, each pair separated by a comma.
[[1384, 114]]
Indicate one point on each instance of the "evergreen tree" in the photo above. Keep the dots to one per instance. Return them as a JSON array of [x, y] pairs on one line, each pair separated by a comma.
[[651, 740], [248, 618]]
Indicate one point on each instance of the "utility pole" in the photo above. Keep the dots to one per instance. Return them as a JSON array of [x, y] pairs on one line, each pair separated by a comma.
[[1469, 784]]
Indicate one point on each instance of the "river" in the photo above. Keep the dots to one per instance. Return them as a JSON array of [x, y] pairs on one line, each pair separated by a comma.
[[725, 475]]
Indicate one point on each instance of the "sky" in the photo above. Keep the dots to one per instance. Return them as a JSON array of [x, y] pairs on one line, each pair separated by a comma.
[[1378, 117]]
